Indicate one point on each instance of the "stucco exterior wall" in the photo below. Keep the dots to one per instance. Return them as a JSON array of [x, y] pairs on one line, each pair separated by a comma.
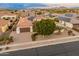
[[4, 28]]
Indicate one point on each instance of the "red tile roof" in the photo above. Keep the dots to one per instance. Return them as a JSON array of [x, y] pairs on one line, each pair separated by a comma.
[[24, 22]]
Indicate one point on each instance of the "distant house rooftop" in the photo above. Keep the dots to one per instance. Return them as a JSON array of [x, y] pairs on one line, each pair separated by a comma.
[[8, 14], [69, 15], [31, 18], [40, 17], [63, 18], [75, 21]]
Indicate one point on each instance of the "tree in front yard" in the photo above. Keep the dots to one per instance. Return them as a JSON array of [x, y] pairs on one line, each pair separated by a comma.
[[45, 26]]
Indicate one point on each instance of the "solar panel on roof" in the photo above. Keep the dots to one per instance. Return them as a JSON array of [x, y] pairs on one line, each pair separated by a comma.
[[64, 18]]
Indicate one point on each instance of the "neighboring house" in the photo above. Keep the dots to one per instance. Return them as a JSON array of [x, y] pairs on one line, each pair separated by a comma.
[[31, 18], [38, 18], [3, 25], [9, 16], [24, 25], [65, 21], [69, 15], [75, 22], [50, 15]]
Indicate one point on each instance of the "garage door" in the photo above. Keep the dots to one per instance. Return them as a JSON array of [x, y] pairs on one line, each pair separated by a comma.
[[24, 29]]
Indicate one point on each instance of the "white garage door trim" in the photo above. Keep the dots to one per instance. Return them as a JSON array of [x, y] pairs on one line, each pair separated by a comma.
[[17, 30]]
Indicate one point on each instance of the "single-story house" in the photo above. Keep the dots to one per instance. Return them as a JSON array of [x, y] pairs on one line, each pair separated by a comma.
[[65, 21], [69, 15], [9, 17], [24, 25], [3, 25], [38, 18], [75, 22], [31, 18]]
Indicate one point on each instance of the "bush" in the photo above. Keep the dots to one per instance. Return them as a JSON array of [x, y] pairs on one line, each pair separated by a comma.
[[1, 38], [6, 18], [56, 20], [14, 28], [11, 38], [59, 28], [44, 27], [0, 49], [34, 36], [11, 25], [5, 39]]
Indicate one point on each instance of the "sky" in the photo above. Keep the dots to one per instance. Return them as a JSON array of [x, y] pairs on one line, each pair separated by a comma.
[[21, 5], [34, 5]]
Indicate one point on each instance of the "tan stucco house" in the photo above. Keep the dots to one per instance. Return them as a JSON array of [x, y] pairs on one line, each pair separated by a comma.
[[24, 25], [3, 25], [12, 17]]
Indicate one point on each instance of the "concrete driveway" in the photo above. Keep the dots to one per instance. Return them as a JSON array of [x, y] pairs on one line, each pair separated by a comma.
[[22, 37]]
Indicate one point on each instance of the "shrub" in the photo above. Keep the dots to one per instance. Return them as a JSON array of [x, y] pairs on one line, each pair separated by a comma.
[[44, 27], [6, 39], [34, 36], [59, 28], [11, 38], [0, 49], [14, 28]]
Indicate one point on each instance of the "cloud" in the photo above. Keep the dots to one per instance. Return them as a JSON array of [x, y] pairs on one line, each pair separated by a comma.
[[69, 4]]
